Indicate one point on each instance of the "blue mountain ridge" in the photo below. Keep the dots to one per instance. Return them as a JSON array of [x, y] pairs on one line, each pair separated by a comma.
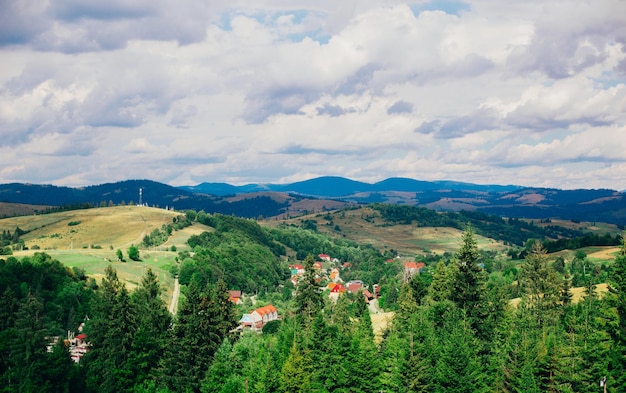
[[334, 186], [254, 200]]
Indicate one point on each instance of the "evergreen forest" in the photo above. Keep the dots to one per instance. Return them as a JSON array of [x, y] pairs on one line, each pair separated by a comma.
[[453, 327]]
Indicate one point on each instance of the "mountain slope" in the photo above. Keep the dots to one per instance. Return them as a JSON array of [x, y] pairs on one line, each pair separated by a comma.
[[329, 192]]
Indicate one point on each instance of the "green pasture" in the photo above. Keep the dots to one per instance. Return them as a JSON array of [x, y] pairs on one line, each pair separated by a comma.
[[94, 262]]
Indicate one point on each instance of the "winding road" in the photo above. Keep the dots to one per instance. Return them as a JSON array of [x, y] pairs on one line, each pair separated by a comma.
[[174, 303]]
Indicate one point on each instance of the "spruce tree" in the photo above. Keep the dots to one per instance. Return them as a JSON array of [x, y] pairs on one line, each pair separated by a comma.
[[468, 283], [153, 323], [26, 357], [110, 332], [203, 321], [296, 372], [541, 284], [309, 300], [441, 286], [617, 298]]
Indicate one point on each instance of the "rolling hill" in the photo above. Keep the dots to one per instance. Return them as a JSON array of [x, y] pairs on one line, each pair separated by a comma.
[[325, 193]]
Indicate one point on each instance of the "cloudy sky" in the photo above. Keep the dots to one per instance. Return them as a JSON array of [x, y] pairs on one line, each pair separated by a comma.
[[272, 91]]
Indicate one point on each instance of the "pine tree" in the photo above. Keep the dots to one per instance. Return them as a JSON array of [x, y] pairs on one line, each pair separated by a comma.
[[110, 332], [468, 283], [617, 298], [203, 321], [541, 283], [153, 323], [309, 300], [296, 372]]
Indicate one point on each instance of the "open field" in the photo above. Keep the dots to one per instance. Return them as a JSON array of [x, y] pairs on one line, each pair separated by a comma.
[[108, 227], [365, 226], [94, 263], [90, 238], [18, 209], [594, 227], [578, 294]]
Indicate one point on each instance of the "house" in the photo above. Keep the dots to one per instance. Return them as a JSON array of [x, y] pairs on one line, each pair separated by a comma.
[[376, 291], [296, 269], [259, 317], [77, 345], [334, 274], [234, 296], [324, 257], [413, 267], [317, 265], [354, 286]]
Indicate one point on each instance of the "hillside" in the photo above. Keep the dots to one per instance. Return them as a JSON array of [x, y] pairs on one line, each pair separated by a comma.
[[89, 239], [366, 226], [116, 227], [326, 193]]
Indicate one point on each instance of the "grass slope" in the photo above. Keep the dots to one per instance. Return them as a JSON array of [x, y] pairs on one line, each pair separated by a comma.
[[365, 226], [90, 238]]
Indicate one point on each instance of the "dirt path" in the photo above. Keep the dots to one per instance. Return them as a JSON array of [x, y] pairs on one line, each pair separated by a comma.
[[174, 303]]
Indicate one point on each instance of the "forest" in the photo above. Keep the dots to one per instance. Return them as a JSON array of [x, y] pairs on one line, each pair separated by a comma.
[[455, 327]]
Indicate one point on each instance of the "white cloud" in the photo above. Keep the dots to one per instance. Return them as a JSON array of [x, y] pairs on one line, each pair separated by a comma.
[[281, 91]]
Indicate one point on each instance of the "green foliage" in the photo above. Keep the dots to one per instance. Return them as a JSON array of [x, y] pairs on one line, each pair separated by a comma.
[[239, 252], [513, 230], [296, 372], [133, 253], [453, 331], [308, 301], [271, 327], [203, 321]]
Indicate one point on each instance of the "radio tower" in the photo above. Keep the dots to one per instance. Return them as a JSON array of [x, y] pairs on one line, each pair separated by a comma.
[[140, 202]]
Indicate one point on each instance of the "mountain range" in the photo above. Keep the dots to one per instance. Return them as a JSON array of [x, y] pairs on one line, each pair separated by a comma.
[[269, 200]]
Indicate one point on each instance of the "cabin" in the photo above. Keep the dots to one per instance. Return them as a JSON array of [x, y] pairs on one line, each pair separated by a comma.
[[234, 296], [258, 318]]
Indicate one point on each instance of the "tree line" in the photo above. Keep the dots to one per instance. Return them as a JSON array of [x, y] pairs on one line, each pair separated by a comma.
[[453, 330]]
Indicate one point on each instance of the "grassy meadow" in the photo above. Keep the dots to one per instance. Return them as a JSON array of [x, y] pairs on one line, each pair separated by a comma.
[[90, 238]]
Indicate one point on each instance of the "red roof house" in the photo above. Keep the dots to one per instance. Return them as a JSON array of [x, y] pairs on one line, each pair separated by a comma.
[[259, 317]]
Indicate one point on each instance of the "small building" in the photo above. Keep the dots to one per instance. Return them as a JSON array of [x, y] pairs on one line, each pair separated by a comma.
[[296, 269], [324, 257], [234, 296], [354, 287], [259, 317]]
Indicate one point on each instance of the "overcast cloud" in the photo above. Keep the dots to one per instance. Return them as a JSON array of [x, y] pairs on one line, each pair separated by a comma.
[[182, 92]]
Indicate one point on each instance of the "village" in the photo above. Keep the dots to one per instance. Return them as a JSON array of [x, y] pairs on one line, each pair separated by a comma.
[[335, 287], [330, 279]]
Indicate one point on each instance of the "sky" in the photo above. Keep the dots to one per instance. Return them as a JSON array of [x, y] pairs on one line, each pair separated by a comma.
[[182, 92]]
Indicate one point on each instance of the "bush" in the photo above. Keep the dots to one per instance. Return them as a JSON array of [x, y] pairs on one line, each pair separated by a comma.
[[271, 327], [133, 253]]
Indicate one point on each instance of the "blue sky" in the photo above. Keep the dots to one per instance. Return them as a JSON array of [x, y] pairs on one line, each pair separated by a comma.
[[491, 92]]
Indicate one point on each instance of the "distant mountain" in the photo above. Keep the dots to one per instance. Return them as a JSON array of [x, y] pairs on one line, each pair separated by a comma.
[[220, 189], [334, 186], [269, 200]]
